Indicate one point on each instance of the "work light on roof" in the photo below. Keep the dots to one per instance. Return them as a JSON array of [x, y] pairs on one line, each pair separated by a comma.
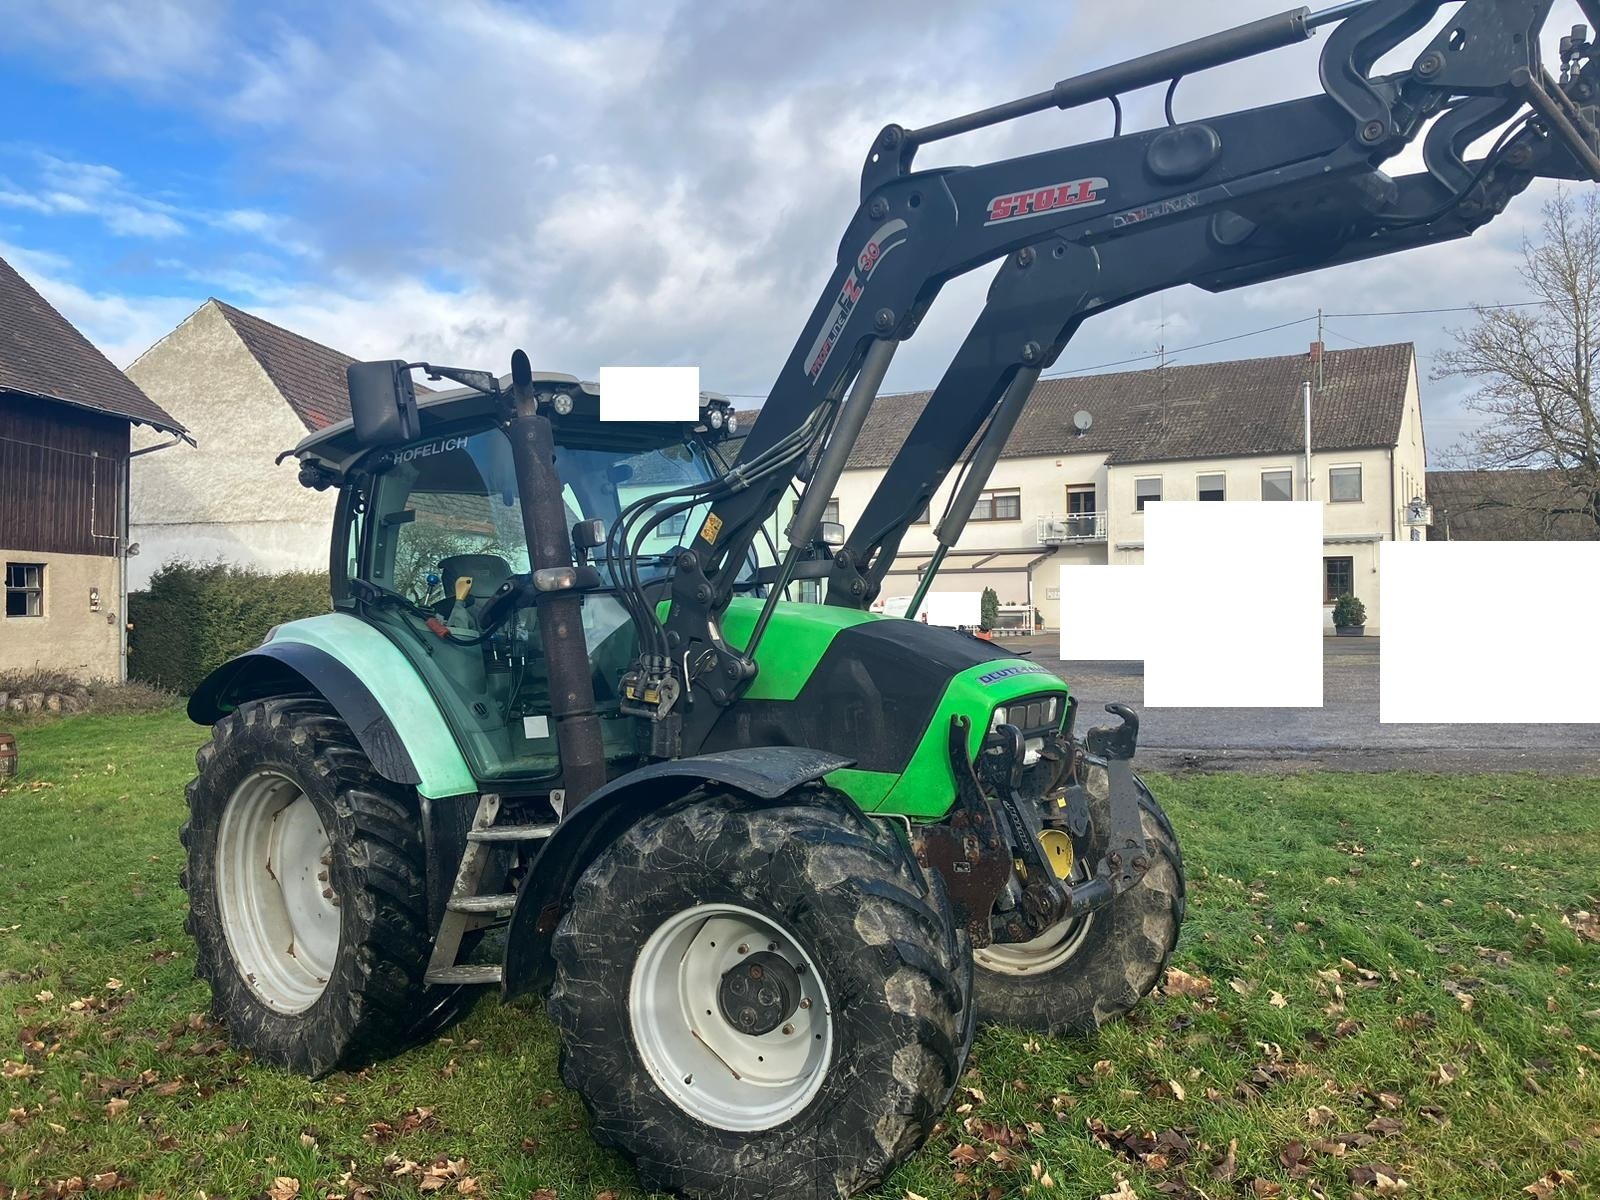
[[562, 403]]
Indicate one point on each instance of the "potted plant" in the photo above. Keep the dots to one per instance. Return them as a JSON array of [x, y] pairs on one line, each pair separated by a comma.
[[1349, 617], [988, 612]]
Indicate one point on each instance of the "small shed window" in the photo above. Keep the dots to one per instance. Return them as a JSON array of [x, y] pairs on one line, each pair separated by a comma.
[[1344, 484], [1277, 485], [24, 589], [1146, 491], [1212, 487]]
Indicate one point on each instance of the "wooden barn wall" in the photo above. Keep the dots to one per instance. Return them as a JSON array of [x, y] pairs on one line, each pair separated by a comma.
[[61, 473]]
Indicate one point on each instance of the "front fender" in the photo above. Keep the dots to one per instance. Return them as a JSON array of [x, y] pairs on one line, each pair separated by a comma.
[[350, 665], [765, 774]]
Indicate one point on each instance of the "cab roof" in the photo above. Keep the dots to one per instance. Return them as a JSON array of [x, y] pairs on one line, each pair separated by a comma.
[[336, 448]]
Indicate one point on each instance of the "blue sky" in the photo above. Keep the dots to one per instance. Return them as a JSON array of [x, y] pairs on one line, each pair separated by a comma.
[[607, 183]]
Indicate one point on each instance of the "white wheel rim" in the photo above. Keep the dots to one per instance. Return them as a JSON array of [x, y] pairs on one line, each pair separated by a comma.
[[278, 907], [712, 1070], [1046, 952]]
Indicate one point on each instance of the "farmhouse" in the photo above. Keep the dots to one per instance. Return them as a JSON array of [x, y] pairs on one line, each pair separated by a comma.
[[65, 416]]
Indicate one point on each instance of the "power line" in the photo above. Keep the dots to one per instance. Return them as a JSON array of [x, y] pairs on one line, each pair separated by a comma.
[[1415, 312], [1167, 355]]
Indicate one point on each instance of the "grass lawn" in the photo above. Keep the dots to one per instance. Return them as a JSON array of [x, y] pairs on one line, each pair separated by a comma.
[[1383, 985]]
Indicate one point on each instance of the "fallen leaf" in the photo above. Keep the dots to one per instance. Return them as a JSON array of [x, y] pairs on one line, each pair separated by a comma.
[[1546, 1185], [284, 1187], [1265, 1188], [1182, 983], [1124, 1191], [115, 1108], [1277, 1000], [1224, 1168]]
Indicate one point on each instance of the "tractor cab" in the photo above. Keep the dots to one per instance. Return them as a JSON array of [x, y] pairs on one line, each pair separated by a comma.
[[430, 548]]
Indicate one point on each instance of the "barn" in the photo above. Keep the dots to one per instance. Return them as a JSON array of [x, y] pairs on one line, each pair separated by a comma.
[[65, 418]]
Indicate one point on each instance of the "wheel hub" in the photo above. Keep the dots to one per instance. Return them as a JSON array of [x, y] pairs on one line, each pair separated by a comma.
[[759, 994], [731, 1017]]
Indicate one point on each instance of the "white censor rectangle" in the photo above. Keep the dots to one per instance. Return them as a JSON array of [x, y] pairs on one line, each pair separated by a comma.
[[1226, 610], [1484, 633], [649, 393]]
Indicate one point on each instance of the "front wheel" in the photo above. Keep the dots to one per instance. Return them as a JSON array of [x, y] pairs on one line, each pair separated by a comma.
[[307, 892], [761, 1002], [1085, 971]]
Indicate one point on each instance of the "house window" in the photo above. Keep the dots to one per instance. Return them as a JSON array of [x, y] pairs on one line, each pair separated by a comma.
[[830, 510], [1000, 504], [24, 589], [1338, 578], [1211, 487], [1277, 485], [1344, 485], [1145, 491]]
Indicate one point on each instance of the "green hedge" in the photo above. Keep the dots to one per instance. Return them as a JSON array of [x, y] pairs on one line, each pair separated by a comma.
[[196, 616]]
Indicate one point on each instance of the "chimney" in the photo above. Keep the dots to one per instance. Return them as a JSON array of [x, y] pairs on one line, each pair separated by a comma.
[[1316, 361], [1316, 352]]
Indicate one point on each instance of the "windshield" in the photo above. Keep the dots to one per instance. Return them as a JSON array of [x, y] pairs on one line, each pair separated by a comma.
[[444, 530], [450, 504]]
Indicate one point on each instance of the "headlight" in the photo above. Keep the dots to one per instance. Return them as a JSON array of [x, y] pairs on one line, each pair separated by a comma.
[[733, 423], [999, 719], [714, 418], [562, 403]]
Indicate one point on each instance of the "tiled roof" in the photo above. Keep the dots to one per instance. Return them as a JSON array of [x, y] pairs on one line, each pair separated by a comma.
[[1506, 506], [42, 354], [309, 375], [1209, 410]]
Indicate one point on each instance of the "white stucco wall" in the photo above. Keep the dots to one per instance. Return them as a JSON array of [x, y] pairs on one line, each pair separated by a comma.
[[225, 500]]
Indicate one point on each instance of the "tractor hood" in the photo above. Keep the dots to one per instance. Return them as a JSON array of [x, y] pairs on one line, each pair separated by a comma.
[[881, 690]]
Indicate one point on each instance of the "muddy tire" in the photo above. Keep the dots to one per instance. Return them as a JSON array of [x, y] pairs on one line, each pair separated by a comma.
[[814, 1077], [1083, 973], [307, 893]]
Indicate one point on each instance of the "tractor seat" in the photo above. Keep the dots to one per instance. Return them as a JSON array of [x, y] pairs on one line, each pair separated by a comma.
[[487, 572]]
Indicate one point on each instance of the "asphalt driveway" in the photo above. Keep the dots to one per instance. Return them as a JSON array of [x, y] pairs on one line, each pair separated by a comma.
[[1342, 735]]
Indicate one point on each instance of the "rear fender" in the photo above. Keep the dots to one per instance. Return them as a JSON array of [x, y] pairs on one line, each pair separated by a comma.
[[764, 774], [350, 665]]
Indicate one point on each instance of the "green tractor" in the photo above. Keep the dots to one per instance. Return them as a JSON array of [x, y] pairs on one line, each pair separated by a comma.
[[753, 945], [565, 732]]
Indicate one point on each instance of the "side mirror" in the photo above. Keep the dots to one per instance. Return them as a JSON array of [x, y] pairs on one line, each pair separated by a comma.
[[587, 535], [383, 403]]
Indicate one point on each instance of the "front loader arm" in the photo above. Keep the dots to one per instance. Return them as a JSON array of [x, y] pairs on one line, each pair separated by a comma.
[[1043, 293], [915, 230]]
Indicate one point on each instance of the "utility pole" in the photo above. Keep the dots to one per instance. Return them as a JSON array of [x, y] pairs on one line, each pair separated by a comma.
[[1305, 396], [1321, 350]]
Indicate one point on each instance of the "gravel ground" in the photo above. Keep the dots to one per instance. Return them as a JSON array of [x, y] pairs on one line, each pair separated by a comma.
[[1344, 734]]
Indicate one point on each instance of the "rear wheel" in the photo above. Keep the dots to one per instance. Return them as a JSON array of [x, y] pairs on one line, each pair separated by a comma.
[[761, 1002], [307, 892], [1088, 970]]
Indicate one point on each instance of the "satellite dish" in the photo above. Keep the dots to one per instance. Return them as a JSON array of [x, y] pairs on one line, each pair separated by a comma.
[[1082, 420]]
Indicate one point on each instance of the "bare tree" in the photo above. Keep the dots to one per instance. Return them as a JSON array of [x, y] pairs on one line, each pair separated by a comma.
[[1534, 368]]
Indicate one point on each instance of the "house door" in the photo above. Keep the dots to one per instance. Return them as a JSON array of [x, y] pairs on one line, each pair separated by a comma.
[[1080, 509]]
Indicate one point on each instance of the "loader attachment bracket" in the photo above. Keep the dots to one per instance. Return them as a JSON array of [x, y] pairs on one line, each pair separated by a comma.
[[968, 849]]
